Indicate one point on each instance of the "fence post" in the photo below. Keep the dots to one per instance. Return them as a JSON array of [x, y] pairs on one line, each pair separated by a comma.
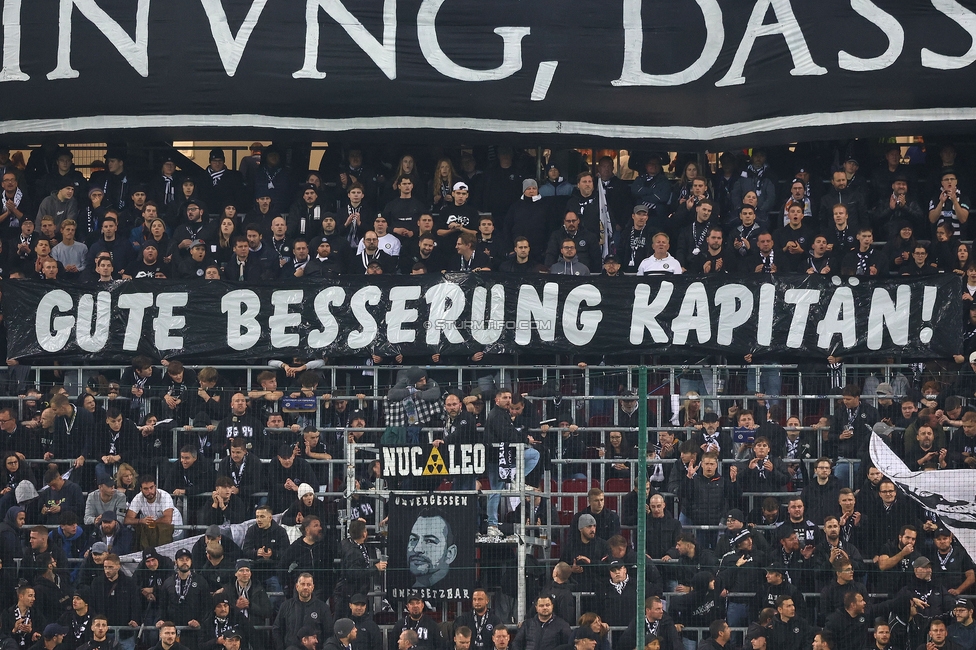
[[641, 511]]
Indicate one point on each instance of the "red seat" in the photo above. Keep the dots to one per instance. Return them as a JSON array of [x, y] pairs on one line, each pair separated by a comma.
[[570, 504], [445, 486], [617, 485]]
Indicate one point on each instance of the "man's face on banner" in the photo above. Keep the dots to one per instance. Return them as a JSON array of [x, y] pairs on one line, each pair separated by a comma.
[[430, 550]]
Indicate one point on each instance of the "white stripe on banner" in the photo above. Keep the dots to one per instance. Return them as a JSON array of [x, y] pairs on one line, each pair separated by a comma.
[[541, 127], [131, 561]]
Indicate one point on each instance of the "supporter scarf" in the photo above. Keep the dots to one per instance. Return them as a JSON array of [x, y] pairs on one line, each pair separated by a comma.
[[215, 176], [620, 586], [506, 462], [606, 225], [758, 174], [169, 195], [18, 197]]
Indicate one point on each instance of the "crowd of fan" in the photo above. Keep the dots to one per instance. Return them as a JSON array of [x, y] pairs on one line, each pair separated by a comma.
[[757, 572], [267, 221]]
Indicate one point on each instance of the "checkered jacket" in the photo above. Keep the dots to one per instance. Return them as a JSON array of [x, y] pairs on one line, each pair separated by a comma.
[[428, 412]]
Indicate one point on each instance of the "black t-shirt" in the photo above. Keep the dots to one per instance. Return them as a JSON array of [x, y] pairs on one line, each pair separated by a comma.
[[949, 570], [466, 215], [403, 213], [142, 270]]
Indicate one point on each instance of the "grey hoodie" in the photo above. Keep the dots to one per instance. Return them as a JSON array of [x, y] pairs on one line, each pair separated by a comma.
[[562, 267], [58, 209]]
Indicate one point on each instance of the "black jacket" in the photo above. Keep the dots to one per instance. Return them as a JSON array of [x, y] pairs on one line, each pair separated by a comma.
[[534, 635], [663, 629], [563, 600], [194, 605], [850, 632], [481, 628], [294, 615], [119, 600], [275, 538], [426, 629], [249, 479], [368, 635]]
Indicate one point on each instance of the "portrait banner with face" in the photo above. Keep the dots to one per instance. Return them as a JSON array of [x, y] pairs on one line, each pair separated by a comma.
[[431, 546]]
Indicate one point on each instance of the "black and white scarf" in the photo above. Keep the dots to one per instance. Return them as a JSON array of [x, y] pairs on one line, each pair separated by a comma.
[[215, 176]]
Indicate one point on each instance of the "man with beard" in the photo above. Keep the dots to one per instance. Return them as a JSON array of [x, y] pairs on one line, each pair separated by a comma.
[[116, 595], [244, 469], [226, 185], [368, 635], [185, 598], [99, 639], [481, 620], [295, 267], [371, 253], [428, 634], [834, 548], [425, 253], [148, 265], [635, 241], [299, 611], [167, 637], [325, 263], [310, 554]]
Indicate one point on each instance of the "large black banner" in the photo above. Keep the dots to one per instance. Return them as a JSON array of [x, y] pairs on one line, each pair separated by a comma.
[[432, 545], [352, 317], [701, 70]]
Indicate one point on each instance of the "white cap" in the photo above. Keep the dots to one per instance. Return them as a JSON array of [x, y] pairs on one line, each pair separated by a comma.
[[460, 185]]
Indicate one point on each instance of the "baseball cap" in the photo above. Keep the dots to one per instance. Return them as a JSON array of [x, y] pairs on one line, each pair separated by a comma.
[[964, 602], [52, 630], [99, 547], [586, 520], [198, 242], [183, 553], [233, 633], [414, 597], [221, 597], [884, 388], [213, 531], [462, 186], [611, 258], [616, 564], [308, 630], [358, 599], [710, 417], [921, 562], [107, 481], [285, 451], [943, 532], [110, 515], [640, 207]]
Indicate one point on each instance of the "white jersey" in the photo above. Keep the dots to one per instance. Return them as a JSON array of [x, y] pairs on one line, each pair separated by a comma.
[[654, 265], [163, 502], [389, 244]]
